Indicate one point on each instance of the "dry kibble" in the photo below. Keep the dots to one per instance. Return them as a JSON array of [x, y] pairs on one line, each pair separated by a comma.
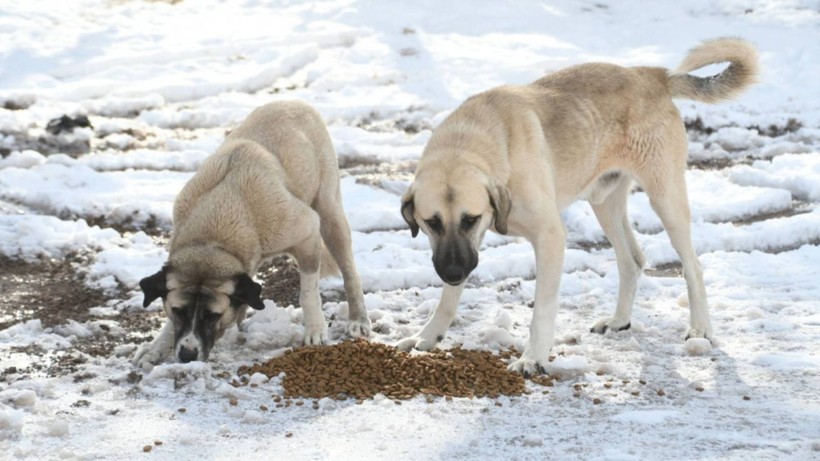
[[746, 397], [661, 393], [699, 388], [263, 407], [233, 401], [596, 401], [288, 434], [358, 369], [147, 448], [157, 442], [182, 410]]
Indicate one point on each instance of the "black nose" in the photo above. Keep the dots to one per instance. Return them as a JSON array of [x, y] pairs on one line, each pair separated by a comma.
[[187, 355], [453, 275]]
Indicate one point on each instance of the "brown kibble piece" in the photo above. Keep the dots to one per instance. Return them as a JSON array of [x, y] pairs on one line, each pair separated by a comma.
[[181, 410], [596, 401], [233, 401], [157, 442], [288, 434], [661, 393], [746, 397], [147, 448]]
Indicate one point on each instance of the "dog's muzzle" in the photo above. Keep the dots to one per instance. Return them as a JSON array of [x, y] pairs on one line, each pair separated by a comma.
[[187, 355], [454, 260]]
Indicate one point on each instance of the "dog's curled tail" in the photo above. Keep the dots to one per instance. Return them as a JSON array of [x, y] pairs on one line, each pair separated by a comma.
[[742, 71]]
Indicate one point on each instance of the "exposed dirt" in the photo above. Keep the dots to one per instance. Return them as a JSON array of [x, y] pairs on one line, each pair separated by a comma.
[[54, 292], [51, 291]]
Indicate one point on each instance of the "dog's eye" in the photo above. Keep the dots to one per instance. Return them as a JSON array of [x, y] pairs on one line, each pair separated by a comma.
[[434, 224], [212, 316], [467, 221]]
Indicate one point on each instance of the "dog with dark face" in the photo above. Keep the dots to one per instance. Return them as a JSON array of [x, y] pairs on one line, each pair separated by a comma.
[[511, 158], [271, 188]]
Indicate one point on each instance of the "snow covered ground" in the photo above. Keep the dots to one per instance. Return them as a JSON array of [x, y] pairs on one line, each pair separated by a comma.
[[162, 81]]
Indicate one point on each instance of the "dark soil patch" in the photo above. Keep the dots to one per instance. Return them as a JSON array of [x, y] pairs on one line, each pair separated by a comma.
[[47, 144], [280, 281], [54, 292], [51, 291]]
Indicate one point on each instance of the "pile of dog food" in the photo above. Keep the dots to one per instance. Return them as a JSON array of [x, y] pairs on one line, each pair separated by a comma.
[[361, 369]]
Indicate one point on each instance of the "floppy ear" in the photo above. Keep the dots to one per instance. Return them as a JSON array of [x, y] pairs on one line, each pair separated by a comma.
[[153, 287], [408, 209], [247, 291], [500, 200]]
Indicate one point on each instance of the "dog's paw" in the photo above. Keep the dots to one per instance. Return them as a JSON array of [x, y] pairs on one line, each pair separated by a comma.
[[418, 343], [699, 333], [358, 328], [529, 366], [147, 356], [610, 324], [316, 337]]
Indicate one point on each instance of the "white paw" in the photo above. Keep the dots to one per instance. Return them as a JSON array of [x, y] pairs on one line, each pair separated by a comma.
[[147, 356], [529, 366], [610, 324], [417, 342], [316, 336], [700, 333], [358, 328]]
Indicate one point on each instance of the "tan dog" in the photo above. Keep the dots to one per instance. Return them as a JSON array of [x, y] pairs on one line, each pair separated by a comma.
[[271, 188], [510, 159]]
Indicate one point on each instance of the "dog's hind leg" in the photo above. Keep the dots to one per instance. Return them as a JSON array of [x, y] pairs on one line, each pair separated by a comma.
[[611, 214], [433, 331], [669, 199], [336, 235]]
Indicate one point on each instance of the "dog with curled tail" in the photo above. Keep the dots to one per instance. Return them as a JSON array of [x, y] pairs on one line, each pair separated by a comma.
[[511, 158], [272, 187]]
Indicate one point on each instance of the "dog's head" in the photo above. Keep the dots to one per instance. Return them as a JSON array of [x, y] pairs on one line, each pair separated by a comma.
[[201, 311], [455, 208]]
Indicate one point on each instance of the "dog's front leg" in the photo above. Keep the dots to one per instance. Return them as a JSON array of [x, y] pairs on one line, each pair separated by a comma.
[[549, 259], [158, 350], [434, 329], [308, 256]]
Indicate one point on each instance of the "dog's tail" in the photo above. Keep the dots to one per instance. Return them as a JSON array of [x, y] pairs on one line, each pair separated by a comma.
[[329, 268], [742, 71]]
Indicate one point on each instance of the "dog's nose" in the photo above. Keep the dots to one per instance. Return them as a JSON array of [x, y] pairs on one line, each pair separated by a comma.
[[453, 275], [187, 355]]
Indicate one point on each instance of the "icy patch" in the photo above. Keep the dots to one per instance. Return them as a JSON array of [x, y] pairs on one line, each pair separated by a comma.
[[645, 416], [787, 361]]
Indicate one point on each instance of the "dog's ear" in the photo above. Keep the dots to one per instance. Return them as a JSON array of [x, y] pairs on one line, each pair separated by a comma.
[[500, 200], [248, 292], [408, 209], [153, 287]]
